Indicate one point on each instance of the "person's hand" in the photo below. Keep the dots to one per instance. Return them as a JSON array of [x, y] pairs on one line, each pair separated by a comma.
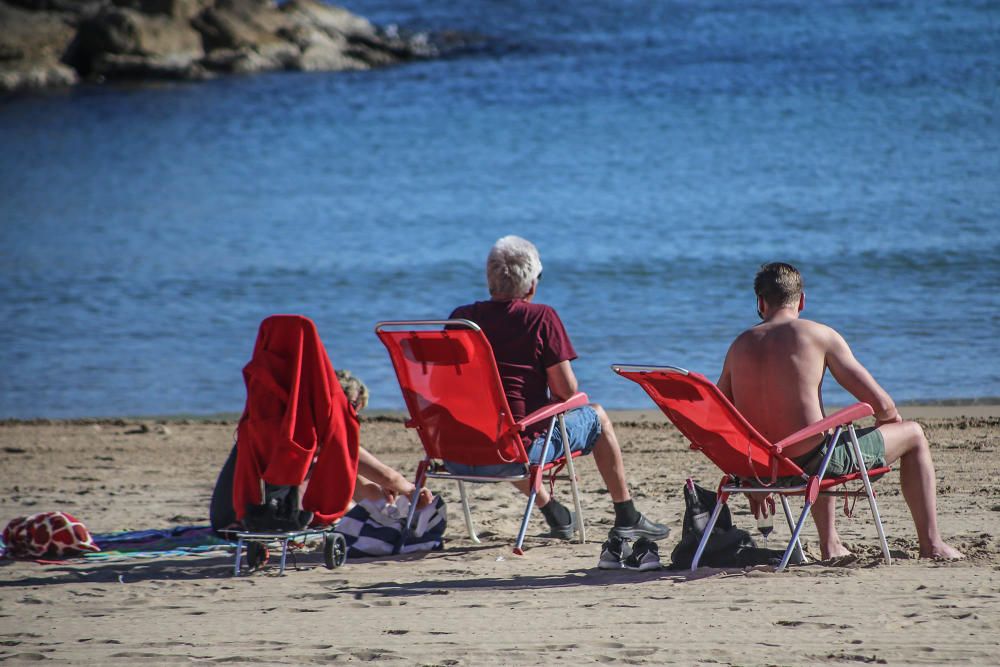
[[761, 504], [406, 489], [388, 494], [896, 418]]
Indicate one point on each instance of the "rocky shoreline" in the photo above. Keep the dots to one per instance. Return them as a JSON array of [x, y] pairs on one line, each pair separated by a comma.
[[57, 43]]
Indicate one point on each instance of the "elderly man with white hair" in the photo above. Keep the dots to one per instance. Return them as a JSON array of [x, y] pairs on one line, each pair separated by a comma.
[[533, 354]]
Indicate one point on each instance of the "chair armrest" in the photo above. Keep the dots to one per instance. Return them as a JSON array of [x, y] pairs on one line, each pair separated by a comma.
[[577, 400], [846, 416]]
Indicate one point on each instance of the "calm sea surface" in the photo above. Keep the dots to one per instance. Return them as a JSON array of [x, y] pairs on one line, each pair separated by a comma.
[[657, 152]]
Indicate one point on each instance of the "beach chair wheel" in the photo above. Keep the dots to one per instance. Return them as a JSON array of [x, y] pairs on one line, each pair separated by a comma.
[[257, 555], [334, 550]]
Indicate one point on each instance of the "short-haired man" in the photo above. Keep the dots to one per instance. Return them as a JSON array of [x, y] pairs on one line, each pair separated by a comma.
[[533, 354], [773, 374]]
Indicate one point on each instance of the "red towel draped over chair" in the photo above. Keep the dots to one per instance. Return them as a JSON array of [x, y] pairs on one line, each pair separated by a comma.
[[297, 422]]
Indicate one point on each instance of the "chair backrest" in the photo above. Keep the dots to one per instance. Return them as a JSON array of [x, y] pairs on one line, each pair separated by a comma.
[[709, 420], [452, 389]]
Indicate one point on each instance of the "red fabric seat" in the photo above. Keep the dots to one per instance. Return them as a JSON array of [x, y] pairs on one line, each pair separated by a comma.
[[703, 414]]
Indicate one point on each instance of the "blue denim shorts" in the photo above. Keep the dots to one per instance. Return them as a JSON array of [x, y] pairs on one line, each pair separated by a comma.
[[582, 427]]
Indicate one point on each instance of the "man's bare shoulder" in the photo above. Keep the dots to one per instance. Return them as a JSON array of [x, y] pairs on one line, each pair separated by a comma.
[[811, 326], [806, 330]]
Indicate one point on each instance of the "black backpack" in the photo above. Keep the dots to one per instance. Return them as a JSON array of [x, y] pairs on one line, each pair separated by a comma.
[[728, 545]]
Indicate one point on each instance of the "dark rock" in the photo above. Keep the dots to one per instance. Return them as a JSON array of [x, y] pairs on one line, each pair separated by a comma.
[[248, 61], [55, 42], [168, 46], [240, 24], [71, 7], [126, 66], [32, 45], [176, 9]]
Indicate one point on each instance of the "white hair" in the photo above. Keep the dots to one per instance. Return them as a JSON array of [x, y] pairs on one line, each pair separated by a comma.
[[512, 266]]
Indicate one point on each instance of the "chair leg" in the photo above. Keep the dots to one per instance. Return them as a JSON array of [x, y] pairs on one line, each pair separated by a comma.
[[800, 554], [284, 555], [859, 457], [792, 543], [535, 479], [418, 485], [706, 534], [239, 556], [536, 473], [581, 528], [467, 513]]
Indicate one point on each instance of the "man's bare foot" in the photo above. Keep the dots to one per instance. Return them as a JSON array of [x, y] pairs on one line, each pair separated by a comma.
[[840, 561], [425, 498], [942, 551], [832, 551]]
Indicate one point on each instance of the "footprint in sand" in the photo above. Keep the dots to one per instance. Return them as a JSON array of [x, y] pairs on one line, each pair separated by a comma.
[[373, 654]]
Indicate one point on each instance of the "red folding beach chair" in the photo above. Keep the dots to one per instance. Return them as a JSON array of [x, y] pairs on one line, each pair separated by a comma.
[[456, 401], [751, 464]]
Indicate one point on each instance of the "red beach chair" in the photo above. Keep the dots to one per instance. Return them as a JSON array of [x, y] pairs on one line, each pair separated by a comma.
[[751, 464], [456, 401]]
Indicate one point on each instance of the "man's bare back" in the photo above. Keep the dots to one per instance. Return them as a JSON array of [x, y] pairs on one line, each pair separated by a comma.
[[774, 371]]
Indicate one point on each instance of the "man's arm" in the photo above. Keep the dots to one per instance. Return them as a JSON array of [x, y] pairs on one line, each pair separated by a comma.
[[855, 378], [561, 380]]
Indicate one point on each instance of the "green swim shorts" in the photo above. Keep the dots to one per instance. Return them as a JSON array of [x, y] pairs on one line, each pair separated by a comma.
[[842, 461]]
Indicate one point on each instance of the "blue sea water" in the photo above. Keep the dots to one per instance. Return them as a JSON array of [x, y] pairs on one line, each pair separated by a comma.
[[656, 151]]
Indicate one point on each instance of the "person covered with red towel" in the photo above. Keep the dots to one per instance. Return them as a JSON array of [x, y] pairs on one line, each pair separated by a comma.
[[297, 458]]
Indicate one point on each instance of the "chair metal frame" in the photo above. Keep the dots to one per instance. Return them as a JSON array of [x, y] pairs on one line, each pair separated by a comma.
[[810, 487], [334, 545], [433, 468]]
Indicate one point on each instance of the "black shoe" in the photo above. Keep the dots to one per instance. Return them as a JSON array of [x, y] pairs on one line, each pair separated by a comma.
[[563, 531], [641, 528], [614, 552], [645, 556]]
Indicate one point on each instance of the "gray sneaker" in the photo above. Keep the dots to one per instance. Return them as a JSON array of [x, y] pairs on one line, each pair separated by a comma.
[[614, 552], [645, 556], [642, 528], [563, 531]]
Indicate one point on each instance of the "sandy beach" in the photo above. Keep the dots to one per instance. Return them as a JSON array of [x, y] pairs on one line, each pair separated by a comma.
[[479, 604]]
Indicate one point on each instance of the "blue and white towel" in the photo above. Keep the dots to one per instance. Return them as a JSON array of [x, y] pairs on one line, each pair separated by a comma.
[[375, 528]]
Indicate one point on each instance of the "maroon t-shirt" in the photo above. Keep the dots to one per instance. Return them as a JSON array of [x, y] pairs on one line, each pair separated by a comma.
[[527, 338]]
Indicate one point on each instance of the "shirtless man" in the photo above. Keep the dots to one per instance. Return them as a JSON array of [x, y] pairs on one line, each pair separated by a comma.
[[773, 374]]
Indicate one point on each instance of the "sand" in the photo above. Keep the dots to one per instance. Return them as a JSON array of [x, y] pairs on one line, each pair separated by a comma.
[[479, 604]]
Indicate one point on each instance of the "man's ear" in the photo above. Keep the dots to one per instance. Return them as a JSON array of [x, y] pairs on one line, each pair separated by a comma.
[[760, 307], [531, 292], [802, 301]]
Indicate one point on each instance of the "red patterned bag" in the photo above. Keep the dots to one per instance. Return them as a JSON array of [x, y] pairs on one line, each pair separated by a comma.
[[46, 535]]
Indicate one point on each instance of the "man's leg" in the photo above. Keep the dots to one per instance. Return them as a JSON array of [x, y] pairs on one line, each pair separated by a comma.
[[824, 513], [541, 498], [608, 458], [629, 522], [906, 443]]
